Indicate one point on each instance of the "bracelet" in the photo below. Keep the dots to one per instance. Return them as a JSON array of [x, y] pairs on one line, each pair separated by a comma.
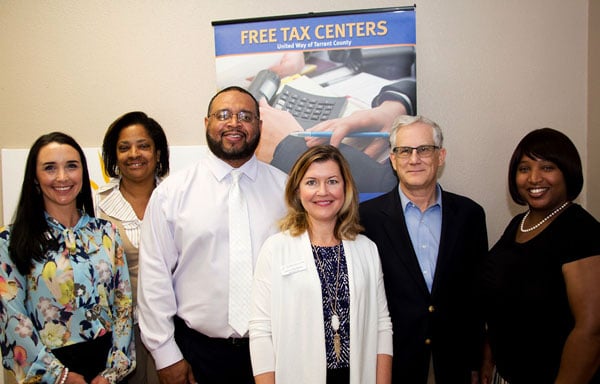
[[64, 376]]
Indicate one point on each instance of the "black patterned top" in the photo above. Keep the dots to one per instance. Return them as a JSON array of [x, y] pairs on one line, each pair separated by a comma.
[[330, 260]]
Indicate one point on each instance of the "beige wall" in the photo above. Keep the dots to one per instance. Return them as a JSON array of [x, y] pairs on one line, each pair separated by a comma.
[[489, 71], [593, 174]]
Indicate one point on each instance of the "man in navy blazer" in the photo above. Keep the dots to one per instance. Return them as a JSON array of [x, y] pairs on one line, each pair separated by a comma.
[[430, 242]]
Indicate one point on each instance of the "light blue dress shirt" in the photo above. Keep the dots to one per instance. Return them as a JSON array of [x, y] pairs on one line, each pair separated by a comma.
[[425, 229]]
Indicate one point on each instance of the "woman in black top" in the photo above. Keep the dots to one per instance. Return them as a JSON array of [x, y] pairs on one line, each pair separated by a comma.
[[540, 280]]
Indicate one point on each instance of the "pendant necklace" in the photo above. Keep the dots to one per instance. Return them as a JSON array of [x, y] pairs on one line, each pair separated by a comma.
[[543, 220], [335, 319]]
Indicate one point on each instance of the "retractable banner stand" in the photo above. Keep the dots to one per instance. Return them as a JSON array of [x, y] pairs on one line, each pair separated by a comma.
[[350, 71]]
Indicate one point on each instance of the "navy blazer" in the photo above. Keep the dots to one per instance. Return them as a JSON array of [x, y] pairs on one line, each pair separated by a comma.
[[445, 322]]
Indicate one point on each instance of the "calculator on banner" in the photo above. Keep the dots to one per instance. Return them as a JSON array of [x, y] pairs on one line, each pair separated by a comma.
[[307, 108]]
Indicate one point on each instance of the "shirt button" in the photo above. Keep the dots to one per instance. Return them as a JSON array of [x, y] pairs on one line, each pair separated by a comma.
[[431, 309]]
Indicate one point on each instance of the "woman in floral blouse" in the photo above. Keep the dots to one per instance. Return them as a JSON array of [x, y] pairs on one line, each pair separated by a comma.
[[65, 313]]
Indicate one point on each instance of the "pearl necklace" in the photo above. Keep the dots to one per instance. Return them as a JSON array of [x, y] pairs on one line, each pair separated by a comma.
[[543, 220]]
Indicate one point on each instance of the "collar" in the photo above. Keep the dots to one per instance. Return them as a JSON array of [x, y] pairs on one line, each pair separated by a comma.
[[220, 169], [84, 218], [112, 183], [404, 200], [115, 182]]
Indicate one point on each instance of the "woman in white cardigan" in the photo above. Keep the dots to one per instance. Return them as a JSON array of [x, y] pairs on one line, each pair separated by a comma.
[[319, 313]]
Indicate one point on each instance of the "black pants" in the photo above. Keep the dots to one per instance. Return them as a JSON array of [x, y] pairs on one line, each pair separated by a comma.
[[338, 376], [87, 358], [214, 360]]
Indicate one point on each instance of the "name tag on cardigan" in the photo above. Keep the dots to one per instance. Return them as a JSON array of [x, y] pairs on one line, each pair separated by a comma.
[[293, 268]]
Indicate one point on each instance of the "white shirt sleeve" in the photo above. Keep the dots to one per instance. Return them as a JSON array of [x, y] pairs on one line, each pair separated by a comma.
[[156, 296]]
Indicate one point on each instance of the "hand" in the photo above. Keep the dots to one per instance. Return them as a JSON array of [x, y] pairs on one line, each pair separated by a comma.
[[486, 375], [99, 380], [290, 64], [475, 378], [76, 378], [487, 366], [178, 373], [276, 125], [378, 119]]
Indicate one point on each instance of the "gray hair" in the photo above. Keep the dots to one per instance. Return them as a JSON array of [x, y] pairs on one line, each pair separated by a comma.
[[404, 120]]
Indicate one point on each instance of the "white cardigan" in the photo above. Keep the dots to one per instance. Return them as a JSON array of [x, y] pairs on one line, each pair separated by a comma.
[[286, 324]]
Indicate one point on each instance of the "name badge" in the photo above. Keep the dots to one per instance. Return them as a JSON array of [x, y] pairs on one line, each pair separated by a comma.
[[293, 268]]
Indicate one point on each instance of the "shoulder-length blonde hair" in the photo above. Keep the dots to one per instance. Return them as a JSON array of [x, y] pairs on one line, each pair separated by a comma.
[[296, 220]]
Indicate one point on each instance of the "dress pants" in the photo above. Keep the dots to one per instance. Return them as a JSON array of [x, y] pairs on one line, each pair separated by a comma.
[[214, 360]]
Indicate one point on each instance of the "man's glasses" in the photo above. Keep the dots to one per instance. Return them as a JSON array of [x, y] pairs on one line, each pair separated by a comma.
[[423, 151], [226, 115]]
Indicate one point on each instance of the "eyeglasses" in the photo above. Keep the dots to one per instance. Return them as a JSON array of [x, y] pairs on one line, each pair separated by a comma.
[[423, 151], [226, 114]]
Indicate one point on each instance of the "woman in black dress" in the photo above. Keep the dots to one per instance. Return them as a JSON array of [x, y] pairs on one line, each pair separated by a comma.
[[541, 286]]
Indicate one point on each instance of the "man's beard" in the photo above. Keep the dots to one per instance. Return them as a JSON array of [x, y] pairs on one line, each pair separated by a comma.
[[245, 152]]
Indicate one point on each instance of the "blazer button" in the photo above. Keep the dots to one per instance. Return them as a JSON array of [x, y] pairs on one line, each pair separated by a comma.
[[427, 341], [431, 309]]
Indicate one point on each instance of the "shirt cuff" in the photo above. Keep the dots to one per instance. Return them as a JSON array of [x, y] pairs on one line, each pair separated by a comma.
[[167, 355]]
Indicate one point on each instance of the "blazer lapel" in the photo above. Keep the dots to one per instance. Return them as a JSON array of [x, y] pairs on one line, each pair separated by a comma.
[[447, 240], [397, 232]]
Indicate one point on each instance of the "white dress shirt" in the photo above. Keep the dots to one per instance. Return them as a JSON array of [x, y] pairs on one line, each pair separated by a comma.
[[184, 263]]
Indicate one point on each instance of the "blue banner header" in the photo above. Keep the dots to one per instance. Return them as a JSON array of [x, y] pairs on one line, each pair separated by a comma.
[[341, 31]]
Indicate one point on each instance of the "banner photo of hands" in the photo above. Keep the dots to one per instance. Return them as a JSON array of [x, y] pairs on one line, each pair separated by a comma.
[[339, 78]]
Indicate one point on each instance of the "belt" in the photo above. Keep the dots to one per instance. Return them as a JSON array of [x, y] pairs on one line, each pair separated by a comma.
[[231, 341], [235, 341]]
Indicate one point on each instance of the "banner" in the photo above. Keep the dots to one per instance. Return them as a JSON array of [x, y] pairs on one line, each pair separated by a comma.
[[325, 77]]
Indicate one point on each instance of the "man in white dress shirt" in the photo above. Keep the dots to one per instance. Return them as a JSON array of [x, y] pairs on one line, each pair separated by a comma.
[[183, 284]]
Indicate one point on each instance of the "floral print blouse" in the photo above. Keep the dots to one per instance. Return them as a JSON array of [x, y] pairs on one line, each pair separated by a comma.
[[79, 292]]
